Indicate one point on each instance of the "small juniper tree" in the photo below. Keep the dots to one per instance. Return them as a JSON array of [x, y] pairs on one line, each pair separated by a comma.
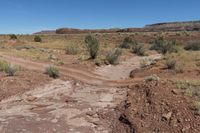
[[13, 37], [37, 39]]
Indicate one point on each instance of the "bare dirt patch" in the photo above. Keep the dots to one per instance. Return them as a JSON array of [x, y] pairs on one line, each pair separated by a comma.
[[122, 71], [24, 81]]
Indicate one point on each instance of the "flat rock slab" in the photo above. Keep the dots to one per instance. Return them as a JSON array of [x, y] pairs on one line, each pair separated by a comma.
[[50, 109]]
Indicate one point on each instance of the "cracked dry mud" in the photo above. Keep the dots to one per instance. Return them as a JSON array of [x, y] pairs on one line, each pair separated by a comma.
[[64, 106]]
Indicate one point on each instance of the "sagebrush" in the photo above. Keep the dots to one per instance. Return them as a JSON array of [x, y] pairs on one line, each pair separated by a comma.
[[112, 56], [92, 45], [52, 71]]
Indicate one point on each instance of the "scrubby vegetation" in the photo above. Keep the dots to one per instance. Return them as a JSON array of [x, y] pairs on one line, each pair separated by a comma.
[[92, 45], [138, 49], [52, 71], [153, 77], [128, 43], [179, 68], [164, 46], [13, 37], [37, 39], [170, 63], [144, 63], [174, 64], [196, 107], [8, 68], [112, 56], [193, 45], [71, 50], [191, 89]]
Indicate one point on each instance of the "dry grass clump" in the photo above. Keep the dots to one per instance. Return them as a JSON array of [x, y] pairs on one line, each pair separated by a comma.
[[8, 68], [52, 71]]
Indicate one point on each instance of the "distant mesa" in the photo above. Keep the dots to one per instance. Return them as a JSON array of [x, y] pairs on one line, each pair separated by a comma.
[[46, 32], [158, 27]]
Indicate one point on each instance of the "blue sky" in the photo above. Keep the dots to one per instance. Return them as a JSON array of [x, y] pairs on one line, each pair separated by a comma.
[[28, 16]]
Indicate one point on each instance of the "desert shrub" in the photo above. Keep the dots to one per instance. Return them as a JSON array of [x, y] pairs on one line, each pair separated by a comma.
[[138, 49], [128, 43], [98, 62], [3, 65], [193, 45], [11, 70], [198, 66], [13, 37], [52, 57], [144, 63], [179, 68], [163, 46], [37, 39], [185, 33], [112, 56], [178, 34], [71, 50], [8, 68], [153, 77], [92, 45], [170, 63], [52, 71], [196, 107]]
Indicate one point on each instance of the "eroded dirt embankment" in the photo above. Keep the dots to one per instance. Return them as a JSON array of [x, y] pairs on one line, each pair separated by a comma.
[[158, 107]]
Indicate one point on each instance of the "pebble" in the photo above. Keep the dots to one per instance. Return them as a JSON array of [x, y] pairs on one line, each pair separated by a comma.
[[31, 98], [174, 92], [167, 116]]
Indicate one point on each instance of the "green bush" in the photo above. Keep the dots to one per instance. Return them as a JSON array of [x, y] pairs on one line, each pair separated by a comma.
[[112, 56], [163, 46], [52, 71], [138, 49], [37, 39], [8, 68], [170, 63], [3, 65], [71, 50], [193, 45], [128, 43], [92, 45], [151, 78], [13, 37]]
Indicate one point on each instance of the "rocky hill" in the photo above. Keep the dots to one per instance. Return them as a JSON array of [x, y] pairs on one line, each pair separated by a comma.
[[175, 26], [171, 26], [46, 32]]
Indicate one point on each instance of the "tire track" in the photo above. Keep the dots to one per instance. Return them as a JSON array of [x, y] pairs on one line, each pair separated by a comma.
[[80, 75]]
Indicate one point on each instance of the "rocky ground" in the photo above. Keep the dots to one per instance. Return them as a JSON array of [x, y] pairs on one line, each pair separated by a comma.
[[158, 107], [62, 106], [68, 105], [102, 101]]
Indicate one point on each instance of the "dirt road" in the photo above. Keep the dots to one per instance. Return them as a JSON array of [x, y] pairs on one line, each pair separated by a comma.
[[86, 77]]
